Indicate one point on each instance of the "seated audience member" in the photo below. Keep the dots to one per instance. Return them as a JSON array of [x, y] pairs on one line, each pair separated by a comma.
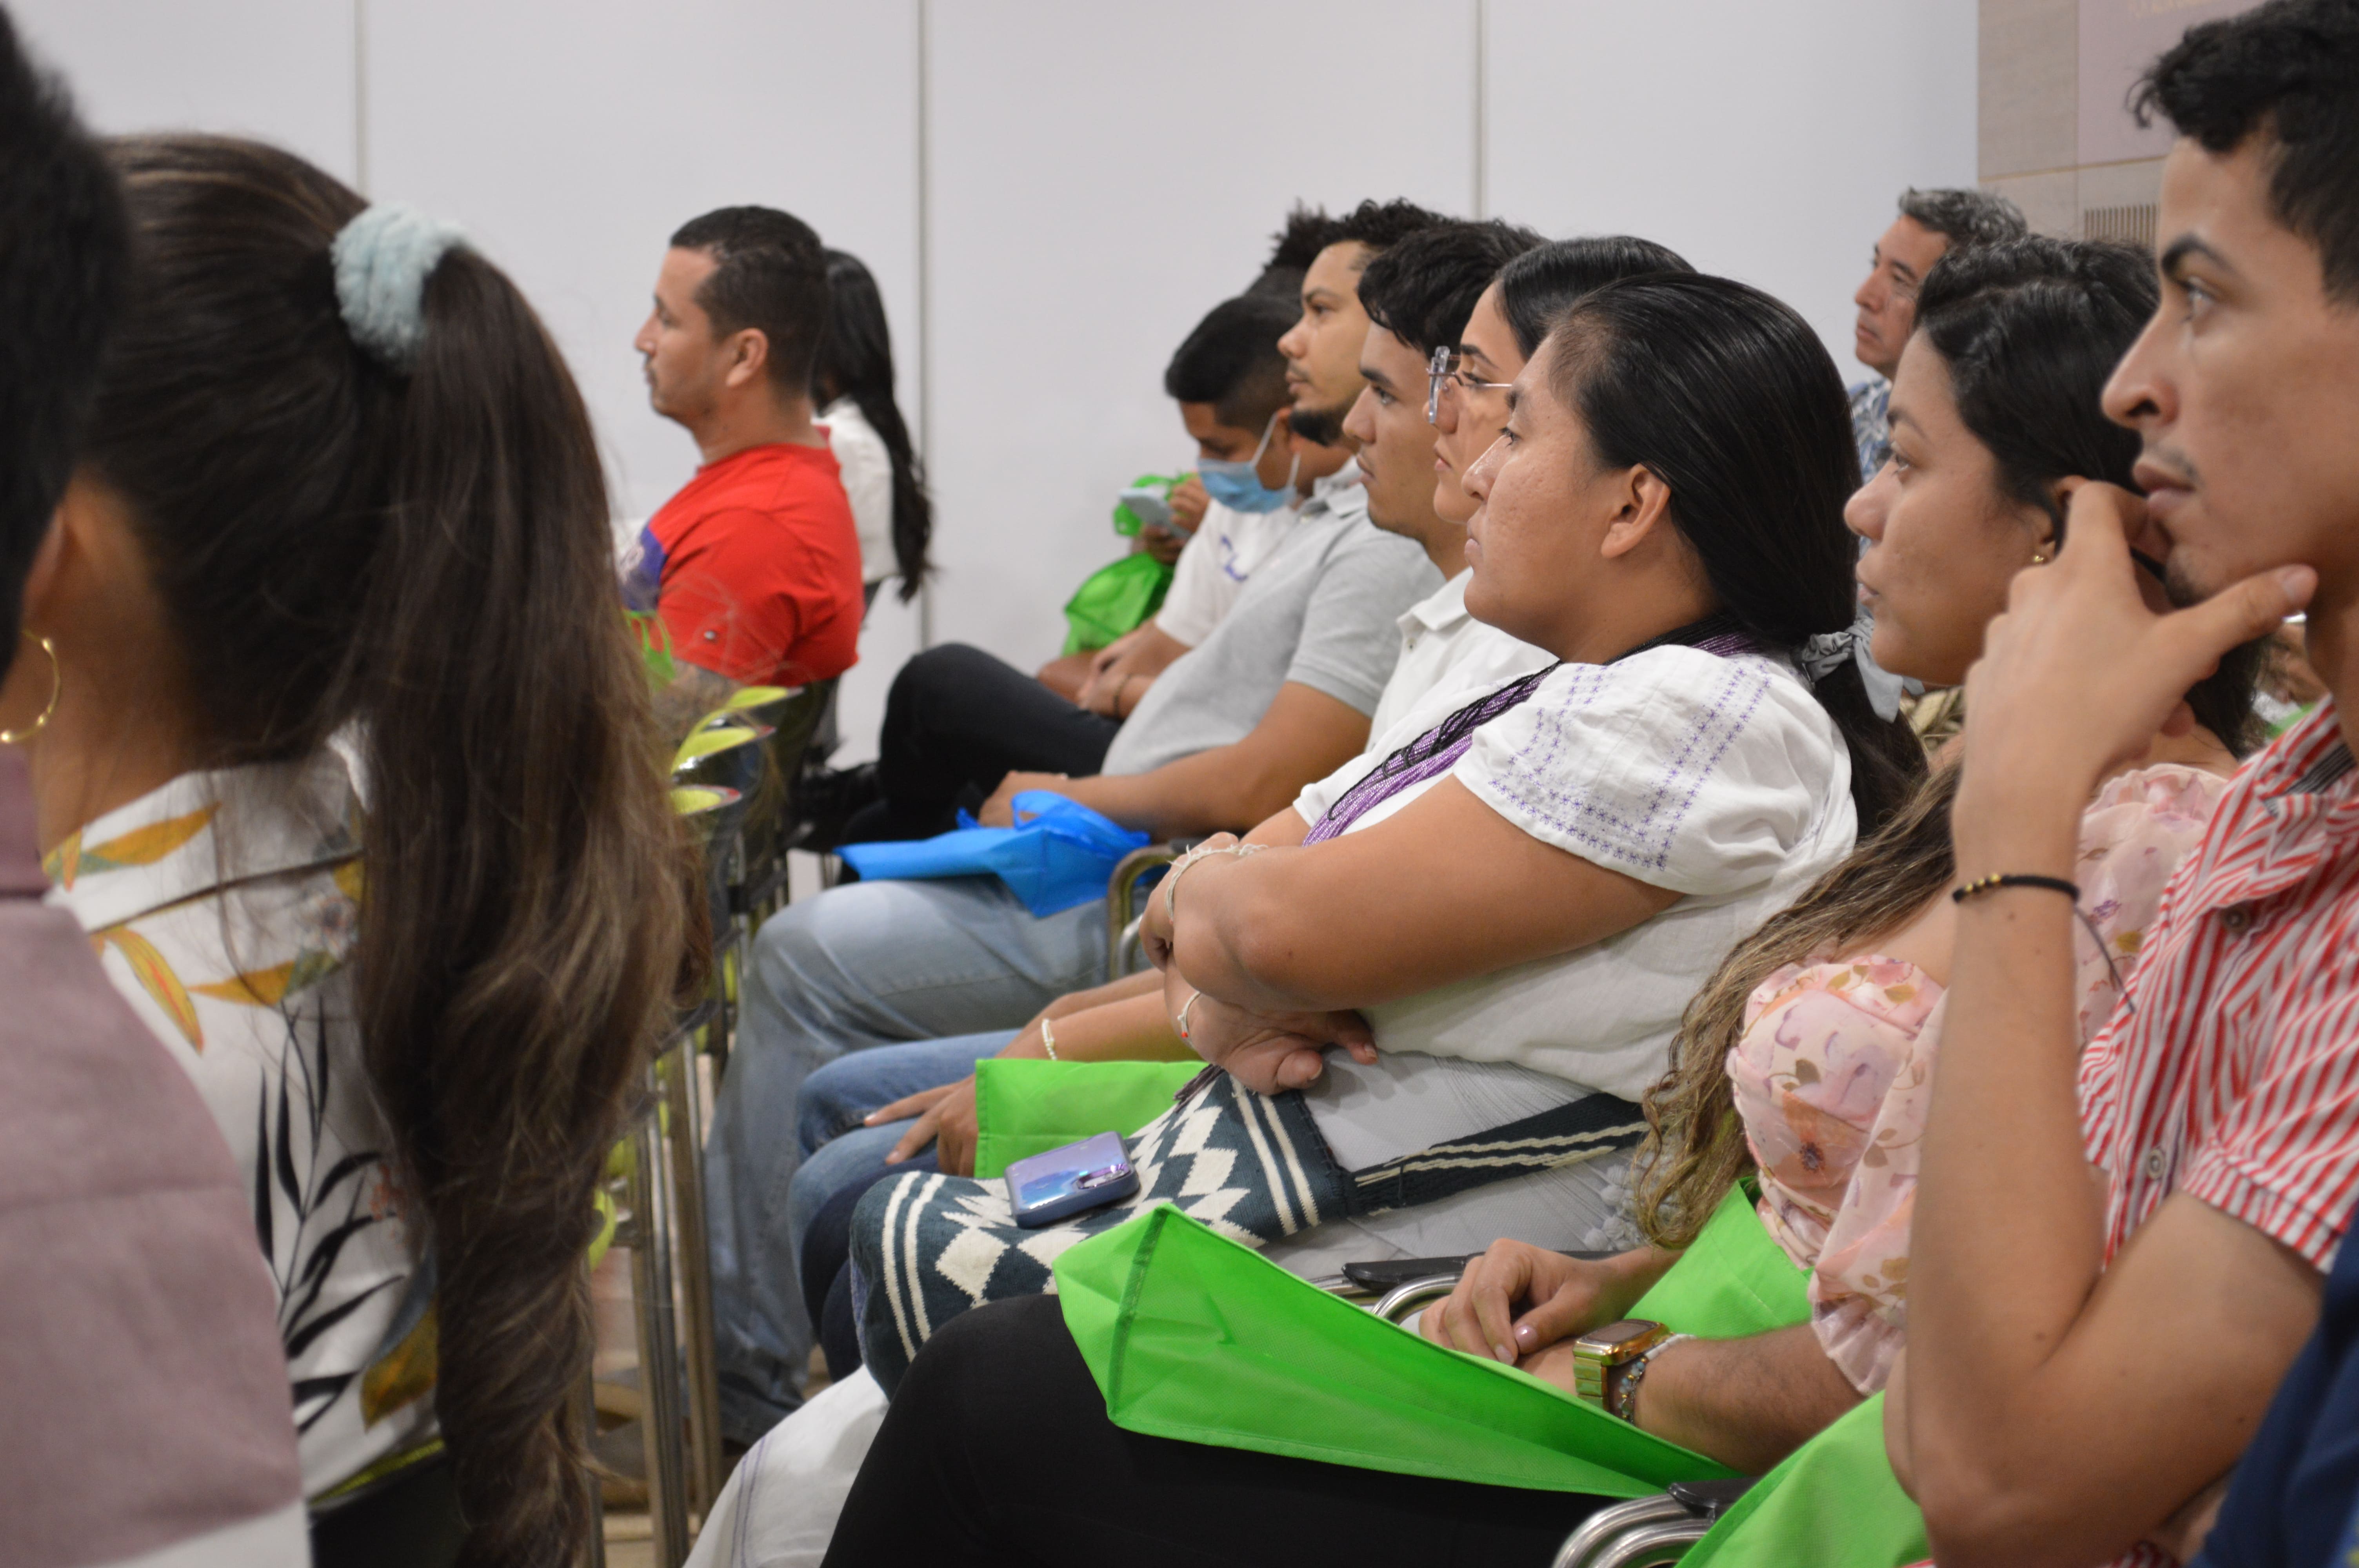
[[1502, 919], [884, 482], [1253, 483], [1932, 223], [339, 497], [1443, 646], [1995, 408], [958, 720], [1278, 696], [142, 1388], [2087, 1358], [1817, 1040], [755, 565]]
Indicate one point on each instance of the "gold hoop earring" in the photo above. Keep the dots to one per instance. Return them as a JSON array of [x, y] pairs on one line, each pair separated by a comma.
[[56, 689]]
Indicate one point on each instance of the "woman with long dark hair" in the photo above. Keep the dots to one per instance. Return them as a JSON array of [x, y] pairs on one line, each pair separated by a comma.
[[354, 782], [853, 385]]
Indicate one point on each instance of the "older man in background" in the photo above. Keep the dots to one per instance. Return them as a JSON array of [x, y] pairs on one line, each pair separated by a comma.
[[1930, 224]]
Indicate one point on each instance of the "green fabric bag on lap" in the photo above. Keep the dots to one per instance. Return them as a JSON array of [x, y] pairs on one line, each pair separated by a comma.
[[1835, 1503], [1190, 1336], [1024, 1107]]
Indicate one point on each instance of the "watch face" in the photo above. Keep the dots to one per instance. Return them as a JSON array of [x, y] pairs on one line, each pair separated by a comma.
[[1618, 1333]]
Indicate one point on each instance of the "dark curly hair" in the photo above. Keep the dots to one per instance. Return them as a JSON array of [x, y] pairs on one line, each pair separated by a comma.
[[2288, 69]]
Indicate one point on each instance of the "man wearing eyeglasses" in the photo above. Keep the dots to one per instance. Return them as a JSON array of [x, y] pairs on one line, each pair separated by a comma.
[[1931, 221]]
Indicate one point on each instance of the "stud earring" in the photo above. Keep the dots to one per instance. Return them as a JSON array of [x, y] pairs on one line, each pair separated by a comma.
[[57, 688], [2038, 557]]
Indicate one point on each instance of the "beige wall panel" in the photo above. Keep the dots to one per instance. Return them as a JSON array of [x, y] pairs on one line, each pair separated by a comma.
[[2029, 117], [2121, 184], [2048, 201]]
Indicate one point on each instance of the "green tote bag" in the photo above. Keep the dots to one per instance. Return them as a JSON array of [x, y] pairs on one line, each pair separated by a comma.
[[1024, 1107], [1835, 1503], [1194, 1336]]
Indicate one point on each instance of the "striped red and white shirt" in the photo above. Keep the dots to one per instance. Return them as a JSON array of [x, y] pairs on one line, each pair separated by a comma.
[[2231, 1071]]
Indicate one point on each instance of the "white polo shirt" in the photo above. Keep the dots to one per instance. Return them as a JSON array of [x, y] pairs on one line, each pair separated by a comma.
[[1444, 650]]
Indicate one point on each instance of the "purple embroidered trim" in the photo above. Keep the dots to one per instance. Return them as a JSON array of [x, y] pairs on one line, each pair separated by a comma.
[[1439, 749]]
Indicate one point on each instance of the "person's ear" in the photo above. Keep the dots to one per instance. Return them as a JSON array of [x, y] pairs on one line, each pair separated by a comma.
[[749, 357], [1644, 508]]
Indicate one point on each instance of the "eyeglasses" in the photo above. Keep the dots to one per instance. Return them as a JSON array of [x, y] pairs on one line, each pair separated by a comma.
[[1448, 368]]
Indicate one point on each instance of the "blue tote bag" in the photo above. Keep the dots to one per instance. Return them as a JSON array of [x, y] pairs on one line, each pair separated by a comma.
[[1059, 854]]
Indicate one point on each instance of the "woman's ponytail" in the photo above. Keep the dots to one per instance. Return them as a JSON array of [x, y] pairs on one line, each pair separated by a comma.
[[523, 920]]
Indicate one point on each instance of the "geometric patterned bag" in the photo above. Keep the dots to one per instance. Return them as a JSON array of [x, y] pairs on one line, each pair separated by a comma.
[[1253, 1167]]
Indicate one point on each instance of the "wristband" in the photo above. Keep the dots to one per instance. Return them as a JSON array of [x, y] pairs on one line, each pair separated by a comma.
[[2015, 879], [1180, 1022]]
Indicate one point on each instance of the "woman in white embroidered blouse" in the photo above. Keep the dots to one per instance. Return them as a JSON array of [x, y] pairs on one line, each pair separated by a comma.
[[338, 485], [1520, 902]]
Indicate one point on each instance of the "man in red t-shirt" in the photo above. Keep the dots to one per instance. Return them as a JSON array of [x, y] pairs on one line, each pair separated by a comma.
[[754, 566]]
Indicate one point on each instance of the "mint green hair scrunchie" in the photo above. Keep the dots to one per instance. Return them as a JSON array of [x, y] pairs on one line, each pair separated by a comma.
[[383, 259]]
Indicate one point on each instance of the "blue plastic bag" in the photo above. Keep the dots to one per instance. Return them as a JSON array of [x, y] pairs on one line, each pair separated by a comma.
[[1059, 854]]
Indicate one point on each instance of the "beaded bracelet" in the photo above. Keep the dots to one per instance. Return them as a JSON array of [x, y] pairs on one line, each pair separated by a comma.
[[2016, 880], [1048, 1039]]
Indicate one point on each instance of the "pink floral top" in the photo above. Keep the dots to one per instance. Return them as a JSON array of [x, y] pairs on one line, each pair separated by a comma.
[[1833, 1074]]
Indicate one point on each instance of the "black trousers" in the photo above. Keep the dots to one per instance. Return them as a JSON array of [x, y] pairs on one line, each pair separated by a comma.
[[997, 1450], [956, 722]]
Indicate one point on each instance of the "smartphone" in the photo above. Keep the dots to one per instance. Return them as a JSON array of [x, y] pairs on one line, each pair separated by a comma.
[[1151, 506], [1046, 1188]]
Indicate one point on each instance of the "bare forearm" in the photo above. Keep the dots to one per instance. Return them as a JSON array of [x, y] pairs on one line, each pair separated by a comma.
[[1134, 1029], [2009, 1236], [1745, 1402], [1225, 790]]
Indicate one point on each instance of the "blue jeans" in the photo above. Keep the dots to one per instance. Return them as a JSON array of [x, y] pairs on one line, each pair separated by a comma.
[[837, 1152], [867, 965]]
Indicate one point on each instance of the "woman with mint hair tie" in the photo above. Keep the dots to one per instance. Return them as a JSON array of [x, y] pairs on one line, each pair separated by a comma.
[[353, 781]]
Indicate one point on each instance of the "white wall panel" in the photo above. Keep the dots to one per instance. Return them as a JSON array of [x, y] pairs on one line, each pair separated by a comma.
[[279, 70], [1097, 176], [1101, 177], [572, 136], [1765, 142]]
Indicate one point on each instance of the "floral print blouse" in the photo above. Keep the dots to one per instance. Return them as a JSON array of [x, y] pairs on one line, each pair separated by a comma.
[[224, 906], [1833, 1073]]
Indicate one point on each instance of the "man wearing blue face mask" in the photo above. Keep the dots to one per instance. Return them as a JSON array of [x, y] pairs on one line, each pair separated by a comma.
[[1230, 383], [958, 720]]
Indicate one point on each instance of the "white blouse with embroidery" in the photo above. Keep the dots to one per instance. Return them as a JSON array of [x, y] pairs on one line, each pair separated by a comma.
[[223, 905]]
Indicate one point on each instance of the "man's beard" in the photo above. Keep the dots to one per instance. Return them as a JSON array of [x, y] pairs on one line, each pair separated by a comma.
[[1320, 426]]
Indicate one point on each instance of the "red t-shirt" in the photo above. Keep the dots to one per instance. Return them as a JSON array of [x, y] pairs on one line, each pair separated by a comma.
[[754, 568]]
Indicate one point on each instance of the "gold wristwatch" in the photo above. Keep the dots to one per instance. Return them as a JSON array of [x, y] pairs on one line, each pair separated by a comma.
[[1598, 1354]]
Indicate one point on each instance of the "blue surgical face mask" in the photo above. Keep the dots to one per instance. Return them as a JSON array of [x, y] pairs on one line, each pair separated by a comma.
[[1237, 485]]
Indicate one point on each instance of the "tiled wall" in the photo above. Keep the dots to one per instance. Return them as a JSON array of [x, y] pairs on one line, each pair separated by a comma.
[[2054, 132]]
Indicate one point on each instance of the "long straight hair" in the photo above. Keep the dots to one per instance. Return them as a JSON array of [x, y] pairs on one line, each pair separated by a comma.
[[855, 360], [420, 560], [2029, 331]]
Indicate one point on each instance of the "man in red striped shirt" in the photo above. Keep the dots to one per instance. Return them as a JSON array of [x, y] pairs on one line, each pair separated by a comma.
[[2089, 1353]]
